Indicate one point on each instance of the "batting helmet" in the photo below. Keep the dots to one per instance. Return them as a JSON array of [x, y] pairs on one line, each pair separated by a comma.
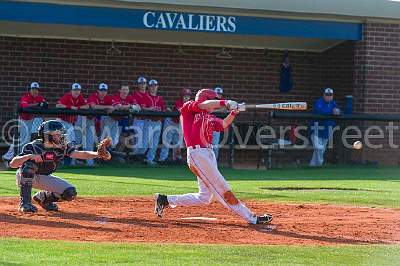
[[205, 94]]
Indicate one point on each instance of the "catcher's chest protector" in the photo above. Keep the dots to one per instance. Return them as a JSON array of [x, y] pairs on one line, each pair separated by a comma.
[[51, 157]]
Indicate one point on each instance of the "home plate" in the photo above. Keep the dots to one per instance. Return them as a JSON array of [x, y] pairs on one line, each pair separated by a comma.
[[199, 218]]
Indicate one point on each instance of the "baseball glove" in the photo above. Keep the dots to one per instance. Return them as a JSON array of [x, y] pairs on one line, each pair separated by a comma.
[[102, 151]]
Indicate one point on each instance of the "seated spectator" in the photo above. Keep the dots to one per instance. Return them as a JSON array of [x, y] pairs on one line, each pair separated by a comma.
[[28, 124], [321, 131], [172, 133], [156, 103]]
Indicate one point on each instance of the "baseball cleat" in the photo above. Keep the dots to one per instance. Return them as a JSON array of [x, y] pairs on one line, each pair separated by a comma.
[[40, 198], [160, 203], [27, 207], [264, 219]]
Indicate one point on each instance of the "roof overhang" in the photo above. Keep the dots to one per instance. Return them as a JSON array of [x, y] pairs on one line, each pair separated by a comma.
[[175, 27]]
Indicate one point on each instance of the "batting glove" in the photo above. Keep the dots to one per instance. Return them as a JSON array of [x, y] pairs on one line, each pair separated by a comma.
[[231, 105]]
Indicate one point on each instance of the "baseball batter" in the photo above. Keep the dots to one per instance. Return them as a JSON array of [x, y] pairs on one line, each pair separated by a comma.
[[198, 125], [39, 159]]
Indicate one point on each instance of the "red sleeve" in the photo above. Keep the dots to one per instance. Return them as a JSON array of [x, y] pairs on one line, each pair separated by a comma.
[[82, 100], [134, 99], [41, 99], [24, 101], [116, 100], [92, 99], [190, 107], [108, 100], [131, 100], [65, 100], [218, 124]]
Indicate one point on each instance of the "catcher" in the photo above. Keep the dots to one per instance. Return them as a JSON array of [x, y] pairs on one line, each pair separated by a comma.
[[40, 158]]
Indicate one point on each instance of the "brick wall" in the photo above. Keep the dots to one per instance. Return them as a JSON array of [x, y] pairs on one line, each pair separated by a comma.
[[377, 82], [252, 75]]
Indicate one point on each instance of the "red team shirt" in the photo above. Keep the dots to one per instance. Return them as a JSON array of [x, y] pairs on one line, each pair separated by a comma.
[[141, 98], [127, 101], [157, 102], [27, 99], [70, 101], [198, 125], [178, 105], [118, 100], [94, 99]]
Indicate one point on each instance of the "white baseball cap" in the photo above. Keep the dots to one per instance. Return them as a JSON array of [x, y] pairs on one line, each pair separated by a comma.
[[141, 80], [76, 86], [153, 82], [34, 85], [103, 87], [218, 90], [328, 91]]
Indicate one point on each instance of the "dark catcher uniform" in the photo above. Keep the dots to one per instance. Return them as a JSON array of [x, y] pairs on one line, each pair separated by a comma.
[[39, 175]]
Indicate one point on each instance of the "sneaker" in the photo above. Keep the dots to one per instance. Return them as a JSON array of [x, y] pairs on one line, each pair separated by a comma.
[[40, 198], [161, 202], [27, 207], [264, 219]]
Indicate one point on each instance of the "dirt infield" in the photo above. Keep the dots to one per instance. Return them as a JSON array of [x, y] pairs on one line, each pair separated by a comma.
[[132, 220]]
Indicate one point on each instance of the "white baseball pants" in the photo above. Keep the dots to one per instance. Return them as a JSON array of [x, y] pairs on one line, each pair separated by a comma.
[[203, 164]]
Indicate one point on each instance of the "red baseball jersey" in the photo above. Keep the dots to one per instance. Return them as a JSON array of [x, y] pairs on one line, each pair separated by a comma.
[[198, 124], [70, 101], [94, 99], [141, 98], [127, 101], [27, 99], [157, 102]]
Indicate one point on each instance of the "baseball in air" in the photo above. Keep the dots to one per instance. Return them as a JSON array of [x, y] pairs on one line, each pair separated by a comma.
[[357, 145]]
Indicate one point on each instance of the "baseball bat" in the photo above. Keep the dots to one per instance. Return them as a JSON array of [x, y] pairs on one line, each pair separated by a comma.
[[295, 106]]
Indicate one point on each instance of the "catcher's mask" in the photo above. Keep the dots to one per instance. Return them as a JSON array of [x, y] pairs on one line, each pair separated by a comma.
[[54, 132]]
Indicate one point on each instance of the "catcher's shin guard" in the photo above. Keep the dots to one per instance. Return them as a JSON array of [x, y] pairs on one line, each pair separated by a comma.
[[46, 200], [25, 198]]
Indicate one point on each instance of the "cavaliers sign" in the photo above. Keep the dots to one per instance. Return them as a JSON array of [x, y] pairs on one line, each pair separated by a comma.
[[190, 22]]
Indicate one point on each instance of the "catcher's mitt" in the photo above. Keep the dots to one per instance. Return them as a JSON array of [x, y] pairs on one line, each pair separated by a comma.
[[102, 151]]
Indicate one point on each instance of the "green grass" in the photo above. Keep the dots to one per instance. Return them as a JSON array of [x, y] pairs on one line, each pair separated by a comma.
[[34, 252], [378, 187]]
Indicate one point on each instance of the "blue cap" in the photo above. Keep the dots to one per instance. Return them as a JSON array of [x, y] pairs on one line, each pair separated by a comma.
[[76, 86], [34, 85], [153, 82], [141, 80], [103, 87], [328, 91]]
